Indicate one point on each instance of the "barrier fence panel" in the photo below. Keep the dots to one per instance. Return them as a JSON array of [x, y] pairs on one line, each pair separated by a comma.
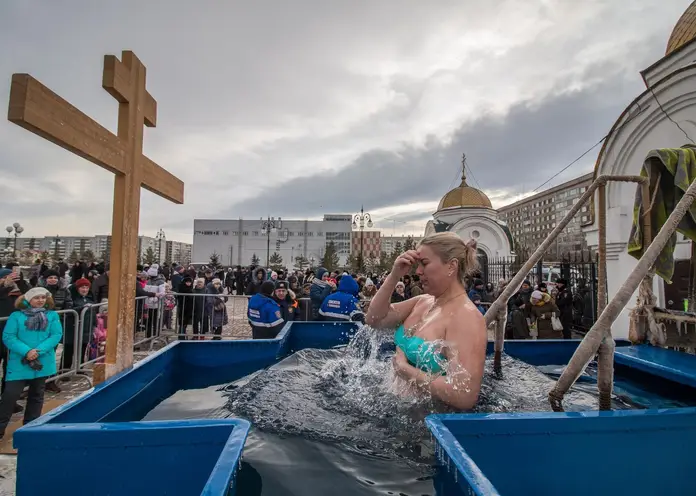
[[66, 364], [200, 315]]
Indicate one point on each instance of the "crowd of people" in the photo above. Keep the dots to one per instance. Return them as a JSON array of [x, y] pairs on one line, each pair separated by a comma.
[[194, 299]]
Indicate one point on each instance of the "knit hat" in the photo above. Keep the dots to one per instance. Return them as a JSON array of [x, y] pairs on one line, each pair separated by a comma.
[[5, 272], [267, 288], [82, 282], [51, 273], [281, 285], [274, 275], [34, 292], [537, 295], [152, 271], [217, 281]]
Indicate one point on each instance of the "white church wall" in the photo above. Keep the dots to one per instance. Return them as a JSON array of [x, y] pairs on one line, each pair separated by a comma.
[[624, 155]]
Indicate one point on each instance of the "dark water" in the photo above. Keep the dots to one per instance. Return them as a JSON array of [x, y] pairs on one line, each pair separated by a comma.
[[333, 422]]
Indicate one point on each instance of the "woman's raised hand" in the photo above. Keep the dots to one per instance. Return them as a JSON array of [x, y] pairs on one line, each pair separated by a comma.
[[404, 262]]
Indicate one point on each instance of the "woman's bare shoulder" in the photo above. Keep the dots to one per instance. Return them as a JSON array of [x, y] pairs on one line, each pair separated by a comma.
[[467, 318]]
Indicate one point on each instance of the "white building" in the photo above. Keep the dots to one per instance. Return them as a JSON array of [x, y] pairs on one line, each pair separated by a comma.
[[658, 118], [388, 243], [237, 241], [468, 212]]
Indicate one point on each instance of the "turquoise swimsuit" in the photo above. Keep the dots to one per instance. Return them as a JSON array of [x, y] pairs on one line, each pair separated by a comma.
[[419, 352]]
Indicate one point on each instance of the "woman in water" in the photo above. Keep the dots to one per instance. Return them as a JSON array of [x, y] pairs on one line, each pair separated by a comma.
[[443, 313]]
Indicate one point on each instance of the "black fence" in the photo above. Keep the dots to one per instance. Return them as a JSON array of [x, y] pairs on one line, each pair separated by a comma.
[[578, 268]]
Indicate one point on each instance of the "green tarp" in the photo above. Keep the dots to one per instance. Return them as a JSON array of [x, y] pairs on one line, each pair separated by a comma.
[[676, 169]]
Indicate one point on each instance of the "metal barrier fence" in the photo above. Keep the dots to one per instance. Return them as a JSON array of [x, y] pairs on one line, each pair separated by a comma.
[[67, 357]]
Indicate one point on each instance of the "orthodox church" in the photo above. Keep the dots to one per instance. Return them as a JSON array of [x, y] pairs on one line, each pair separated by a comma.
[[663, 116], [468, 212]]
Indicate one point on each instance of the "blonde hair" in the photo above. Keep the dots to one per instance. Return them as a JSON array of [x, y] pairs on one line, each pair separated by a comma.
[[448, 246]]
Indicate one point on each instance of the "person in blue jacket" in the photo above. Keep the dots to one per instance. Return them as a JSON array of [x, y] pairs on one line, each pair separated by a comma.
[[264, 313], [343, 305], [31, 335]]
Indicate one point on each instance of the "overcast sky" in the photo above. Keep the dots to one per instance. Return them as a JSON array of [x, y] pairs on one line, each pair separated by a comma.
[[300, 108]]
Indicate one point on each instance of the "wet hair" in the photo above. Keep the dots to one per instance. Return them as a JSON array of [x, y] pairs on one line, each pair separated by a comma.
[[449, 246]]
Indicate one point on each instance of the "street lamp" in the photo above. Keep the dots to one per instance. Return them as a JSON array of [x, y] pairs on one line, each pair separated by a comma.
[[160, 237], [17, 229], [267, 226], [359, 222]]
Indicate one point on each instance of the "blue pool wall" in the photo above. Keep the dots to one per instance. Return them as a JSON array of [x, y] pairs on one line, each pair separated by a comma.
[[644, 452], [97, 443], [105, 423]]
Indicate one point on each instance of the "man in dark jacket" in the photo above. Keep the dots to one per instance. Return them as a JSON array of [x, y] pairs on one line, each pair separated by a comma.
[[264, 314], [285, 298], [11, 288], [321, 288], [100, 288], [564, 302]]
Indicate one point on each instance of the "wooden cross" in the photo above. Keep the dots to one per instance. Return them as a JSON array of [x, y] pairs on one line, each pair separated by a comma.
[[38, 109]]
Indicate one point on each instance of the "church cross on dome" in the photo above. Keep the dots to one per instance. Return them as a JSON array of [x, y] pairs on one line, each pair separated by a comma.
[[463, 169]]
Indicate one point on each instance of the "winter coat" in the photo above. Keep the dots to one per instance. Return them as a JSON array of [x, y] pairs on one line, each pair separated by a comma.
[[343, 304], [185, 301], [215, 306], [255, 284], [100, 288], [289, 307], [19, 341], [155, 285], [79, 303], [564, 302], [61, 297], [318, 292], [264, 312], [541, 314], [520, 329]]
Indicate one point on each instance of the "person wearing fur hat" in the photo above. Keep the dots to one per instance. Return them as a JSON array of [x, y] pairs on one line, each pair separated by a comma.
[[264, 314], [542, 310], [286, 300], [31, 335]]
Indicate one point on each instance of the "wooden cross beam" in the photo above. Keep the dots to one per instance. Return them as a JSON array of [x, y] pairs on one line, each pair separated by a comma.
[[38, 109]]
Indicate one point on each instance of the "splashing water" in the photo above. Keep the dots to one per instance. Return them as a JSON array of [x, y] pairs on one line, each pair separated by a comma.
[[342, 415]]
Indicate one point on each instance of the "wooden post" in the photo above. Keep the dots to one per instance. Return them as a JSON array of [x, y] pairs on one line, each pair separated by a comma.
[[39, 110], [605, 360]]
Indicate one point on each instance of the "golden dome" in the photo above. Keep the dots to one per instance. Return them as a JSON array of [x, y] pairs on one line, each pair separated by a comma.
[[684, 30], [464, 195]]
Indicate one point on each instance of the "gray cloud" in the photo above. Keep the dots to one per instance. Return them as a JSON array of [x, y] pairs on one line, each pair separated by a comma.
[[507, 155], [305, 107]]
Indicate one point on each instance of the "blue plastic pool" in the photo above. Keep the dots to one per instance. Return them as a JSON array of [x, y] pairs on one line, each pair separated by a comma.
[[103, 428]]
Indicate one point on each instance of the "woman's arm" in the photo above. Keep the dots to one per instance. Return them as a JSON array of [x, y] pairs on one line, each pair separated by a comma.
[[10, 338], [382, 313], [55, 333]]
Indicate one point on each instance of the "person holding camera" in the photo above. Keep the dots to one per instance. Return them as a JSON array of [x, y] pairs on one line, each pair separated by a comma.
[[31, 335]]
